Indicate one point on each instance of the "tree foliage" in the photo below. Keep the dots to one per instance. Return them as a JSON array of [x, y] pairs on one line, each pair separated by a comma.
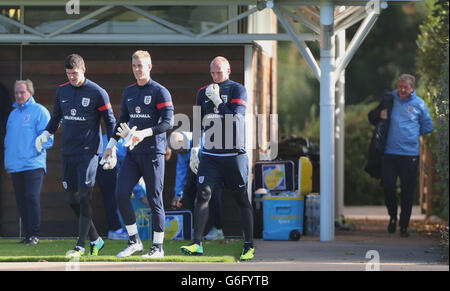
[[388, 50], [432, 65]]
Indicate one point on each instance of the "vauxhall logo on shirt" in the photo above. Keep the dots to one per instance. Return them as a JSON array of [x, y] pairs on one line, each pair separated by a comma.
[[73, 116], [138, 111]]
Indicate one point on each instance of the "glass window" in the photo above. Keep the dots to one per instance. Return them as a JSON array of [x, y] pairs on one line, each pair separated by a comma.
[[196, 19], [12, 13], [120, 20]]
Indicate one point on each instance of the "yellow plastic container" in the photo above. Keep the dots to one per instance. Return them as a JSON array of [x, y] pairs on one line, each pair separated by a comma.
[[305, 171]]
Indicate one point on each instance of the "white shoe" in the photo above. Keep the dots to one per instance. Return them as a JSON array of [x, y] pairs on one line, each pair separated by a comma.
[[131, 249], [214, 234], [154, 252]]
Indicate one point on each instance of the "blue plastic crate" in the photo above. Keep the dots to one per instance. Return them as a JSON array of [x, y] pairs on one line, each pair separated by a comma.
[[282, 217]]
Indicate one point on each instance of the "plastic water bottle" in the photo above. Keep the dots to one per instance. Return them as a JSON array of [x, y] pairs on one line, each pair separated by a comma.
[[316, 214], [309, 214]]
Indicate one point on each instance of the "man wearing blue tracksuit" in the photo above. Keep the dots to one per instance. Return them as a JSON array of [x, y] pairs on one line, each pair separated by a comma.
[[186, 183], [26, 165], [80, 104], [224, 158], [409, 119], [147, 109]]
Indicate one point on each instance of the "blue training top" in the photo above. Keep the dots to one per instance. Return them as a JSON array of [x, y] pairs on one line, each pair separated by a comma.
[[147, 106], [409, 119], [230, 119], [24, 125], [80, 109]]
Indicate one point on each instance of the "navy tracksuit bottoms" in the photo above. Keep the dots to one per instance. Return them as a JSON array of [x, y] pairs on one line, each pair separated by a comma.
[[151, 168]]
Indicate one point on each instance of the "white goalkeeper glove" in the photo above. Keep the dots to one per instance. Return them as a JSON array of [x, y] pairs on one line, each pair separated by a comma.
[[194, 161], [40, 140], [109, 159], [123, 130], [134, 137], [213, 93]]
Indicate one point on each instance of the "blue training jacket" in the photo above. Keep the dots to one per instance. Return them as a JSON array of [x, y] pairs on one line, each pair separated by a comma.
[[409, 119], [147, 106], [224, 126], [24, 125], [183, 165], [80, 109]]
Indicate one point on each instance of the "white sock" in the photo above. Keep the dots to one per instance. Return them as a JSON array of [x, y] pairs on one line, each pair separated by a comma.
[[131, 229], [81, 248], [95, 241], [158, 237]]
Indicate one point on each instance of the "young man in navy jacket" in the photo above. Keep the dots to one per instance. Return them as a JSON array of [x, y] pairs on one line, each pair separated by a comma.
[[224, 159], [147, 109], [80, 104]]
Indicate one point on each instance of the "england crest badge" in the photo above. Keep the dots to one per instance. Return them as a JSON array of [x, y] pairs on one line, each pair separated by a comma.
[[85, 102], [224, 98], [147, 100]]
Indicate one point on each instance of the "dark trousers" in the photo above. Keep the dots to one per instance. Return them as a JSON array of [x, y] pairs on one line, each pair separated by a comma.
[[106, 180], [405, 168], [230, 171], [27, 187], [151, 168], [79, 173], [215, 204]]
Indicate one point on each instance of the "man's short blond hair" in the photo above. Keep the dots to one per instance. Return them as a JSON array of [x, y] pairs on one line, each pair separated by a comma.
[[28, 85], [408, 78], [140, 54]]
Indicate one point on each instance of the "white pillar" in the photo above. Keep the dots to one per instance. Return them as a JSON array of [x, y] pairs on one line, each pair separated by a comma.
[[248, 83], [327, 104], [340, 129]]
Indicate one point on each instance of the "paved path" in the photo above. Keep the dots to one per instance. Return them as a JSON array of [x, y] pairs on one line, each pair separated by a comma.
[[421, 251], [347, 252]]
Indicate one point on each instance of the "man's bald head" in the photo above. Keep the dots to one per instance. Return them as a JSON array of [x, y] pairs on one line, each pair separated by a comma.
[[220, 69]]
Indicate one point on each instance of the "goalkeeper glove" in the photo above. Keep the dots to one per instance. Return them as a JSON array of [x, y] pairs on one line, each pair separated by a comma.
[[213, 93], [194, 160], [109, 159], [134, 137], [40, 140]]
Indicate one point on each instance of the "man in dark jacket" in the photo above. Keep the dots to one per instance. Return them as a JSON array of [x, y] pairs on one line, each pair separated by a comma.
[[378, 142], [409, 118]]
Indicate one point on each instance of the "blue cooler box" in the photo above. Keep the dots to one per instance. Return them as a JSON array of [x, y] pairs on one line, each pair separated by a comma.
[[283, 217]]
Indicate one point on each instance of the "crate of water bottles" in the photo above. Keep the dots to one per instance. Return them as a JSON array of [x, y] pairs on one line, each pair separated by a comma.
[[283, 216], [312, 214]]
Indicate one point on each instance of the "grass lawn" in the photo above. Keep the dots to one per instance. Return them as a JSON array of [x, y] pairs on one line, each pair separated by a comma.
[[55, 250]]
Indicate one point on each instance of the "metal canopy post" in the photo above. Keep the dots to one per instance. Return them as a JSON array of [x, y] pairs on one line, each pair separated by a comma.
[[327, 93], [340, 130]]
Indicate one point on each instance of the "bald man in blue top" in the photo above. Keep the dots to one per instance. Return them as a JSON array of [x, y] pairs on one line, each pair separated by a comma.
[[224, 159]]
